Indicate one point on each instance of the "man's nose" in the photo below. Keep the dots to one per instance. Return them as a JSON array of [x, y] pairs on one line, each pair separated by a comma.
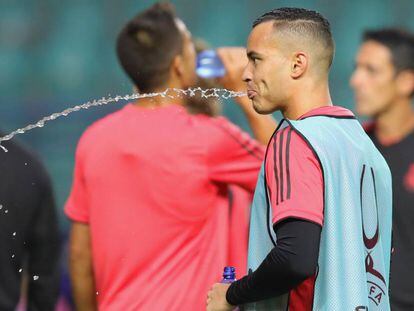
[[247, 75]]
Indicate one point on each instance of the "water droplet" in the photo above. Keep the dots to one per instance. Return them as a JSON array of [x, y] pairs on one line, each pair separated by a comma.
[[14, 233], [35, 277], [13, 256], [6, 211], [25, 163], [1, 206], [20, 270], [97, 293], [4, 149]]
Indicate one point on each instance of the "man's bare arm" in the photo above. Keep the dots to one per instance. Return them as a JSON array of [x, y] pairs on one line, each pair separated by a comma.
[[81, 269]]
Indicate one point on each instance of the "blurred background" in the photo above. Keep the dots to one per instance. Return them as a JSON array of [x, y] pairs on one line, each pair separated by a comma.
[[58, 54]]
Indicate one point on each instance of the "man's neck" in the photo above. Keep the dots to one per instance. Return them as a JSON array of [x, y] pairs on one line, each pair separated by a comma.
[[395, 123], [306, 99], [159, 101]]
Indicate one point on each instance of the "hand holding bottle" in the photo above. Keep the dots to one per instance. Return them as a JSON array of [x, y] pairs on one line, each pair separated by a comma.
[[216, 297]]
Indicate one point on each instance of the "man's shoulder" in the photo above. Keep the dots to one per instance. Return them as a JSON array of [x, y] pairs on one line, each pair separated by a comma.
[[103, 125], [18, 149], [287, 151], [222, 135], [21, 157], [289, 142]]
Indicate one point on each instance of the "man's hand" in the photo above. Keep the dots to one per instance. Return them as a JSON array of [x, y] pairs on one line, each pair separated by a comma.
[[216, 298], [234, 60]]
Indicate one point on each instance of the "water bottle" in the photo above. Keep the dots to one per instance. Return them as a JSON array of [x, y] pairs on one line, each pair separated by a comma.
[[229, 275], [209, 65]]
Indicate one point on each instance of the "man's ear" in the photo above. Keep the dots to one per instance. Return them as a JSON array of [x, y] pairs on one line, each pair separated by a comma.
[[299, 64], [177, 65], [405, 83]]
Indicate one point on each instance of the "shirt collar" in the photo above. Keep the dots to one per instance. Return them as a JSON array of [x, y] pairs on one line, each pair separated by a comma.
[[329, 111]]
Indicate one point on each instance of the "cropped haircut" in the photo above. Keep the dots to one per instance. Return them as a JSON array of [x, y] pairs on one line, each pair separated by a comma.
[[303, 22], [147, 45], [399, 42]]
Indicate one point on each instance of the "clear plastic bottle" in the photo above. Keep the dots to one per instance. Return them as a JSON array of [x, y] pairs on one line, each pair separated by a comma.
[[209, 65]]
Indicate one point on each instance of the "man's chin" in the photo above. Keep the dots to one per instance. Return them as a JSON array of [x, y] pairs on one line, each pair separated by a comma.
[[259, 108]]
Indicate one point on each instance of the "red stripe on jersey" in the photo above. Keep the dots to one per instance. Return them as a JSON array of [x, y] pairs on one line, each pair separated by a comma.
[[301, 298]]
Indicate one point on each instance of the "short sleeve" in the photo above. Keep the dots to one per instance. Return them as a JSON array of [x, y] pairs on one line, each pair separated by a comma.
[[294, 178], [76, 207], [233, 157]]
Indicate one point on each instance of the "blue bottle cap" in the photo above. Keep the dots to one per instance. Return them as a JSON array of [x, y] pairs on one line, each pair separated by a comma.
[[229, 269], [229, 273]]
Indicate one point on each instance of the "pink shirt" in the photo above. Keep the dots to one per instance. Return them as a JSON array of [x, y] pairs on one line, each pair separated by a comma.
[[153, 186]]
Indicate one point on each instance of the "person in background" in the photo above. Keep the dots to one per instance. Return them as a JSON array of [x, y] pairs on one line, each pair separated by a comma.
[[149, 200], [29, 232], [383, 82]]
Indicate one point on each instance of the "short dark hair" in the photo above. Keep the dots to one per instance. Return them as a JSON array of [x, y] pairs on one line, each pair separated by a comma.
[[147, 45], [304, 22], [399, 42]]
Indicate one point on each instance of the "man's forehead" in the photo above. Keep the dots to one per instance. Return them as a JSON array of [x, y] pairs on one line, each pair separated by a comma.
[[374, 51], [262, 31], [263, 35], [371, 46]]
